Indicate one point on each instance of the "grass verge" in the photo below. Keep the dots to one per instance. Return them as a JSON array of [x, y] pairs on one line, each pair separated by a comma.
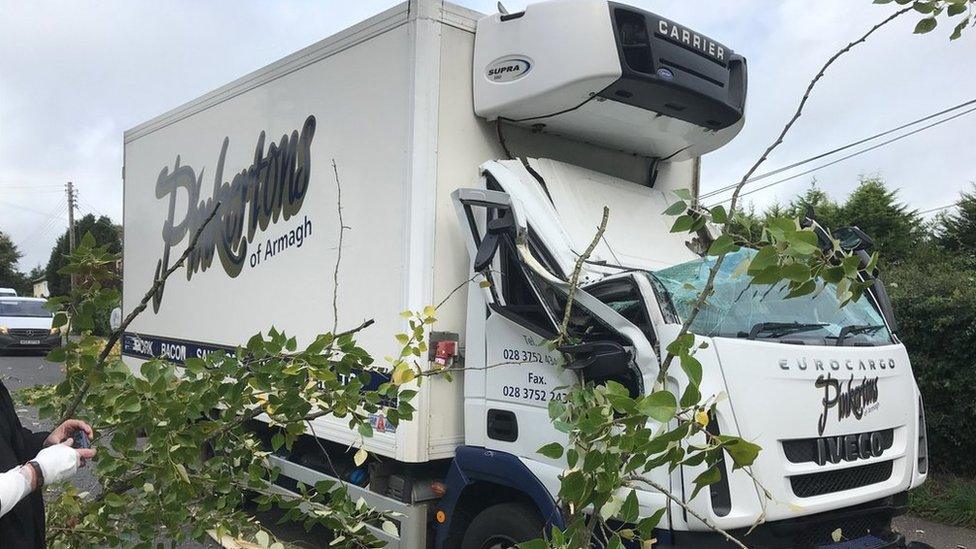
[[947, 499]]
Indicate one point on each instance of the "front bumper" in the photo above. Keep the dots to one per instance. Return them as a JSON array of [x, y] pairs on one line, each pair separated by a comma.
[[19, 342], [865, 526]]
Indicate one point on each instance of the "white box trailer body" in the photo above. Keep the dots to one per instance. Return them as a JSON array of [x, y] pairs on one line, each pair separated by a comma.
[[391, 101], [388, 100]]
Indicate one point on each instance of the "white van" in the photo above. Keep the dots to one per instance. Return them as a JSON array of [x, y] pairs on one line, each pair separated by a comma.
[[26, 324]]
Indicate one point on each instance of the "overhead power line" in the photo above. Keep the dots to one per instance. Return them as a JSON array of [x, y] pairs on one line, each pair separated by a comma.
[[89, 206], [51, 223], [721, 190], [946, 207], [25, 208], [852, 155]]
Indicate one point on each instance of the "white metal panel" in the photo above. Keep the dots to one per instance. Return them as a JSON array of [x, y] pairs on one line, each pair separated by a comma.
[[564, 53], [637, 235], [293, 288], [356, 34], [357, 97], [792, 405], [628, 128]]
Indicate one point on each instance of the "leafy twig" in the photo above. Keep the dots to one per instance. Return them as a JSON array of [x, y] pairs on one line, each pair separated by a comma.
[[713, 272], [116, 334], [667, 493]]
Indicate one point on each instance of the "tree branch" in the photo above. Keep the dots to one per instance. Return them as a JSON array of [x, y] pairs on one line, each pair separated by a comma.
[[116, 334], [574, 278], [342, 230], [688, 508], [713, 272]]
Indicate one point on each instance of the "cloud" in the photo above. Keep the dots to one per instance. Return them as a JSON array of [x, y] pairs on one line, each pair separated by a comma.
[[74, 75]]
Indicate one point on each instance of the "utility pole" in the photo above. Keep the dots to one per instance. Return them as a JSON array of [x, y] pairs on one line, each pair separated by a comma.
[[72, 201]]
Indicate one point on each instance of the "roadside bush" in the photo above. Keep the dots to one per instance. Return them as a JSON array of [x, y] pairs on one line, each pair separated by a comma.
[[948, 499], [934, 295]]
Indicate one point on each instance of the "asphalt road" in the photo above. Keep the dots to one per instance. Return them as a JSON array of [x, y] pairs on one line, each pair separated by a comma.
[[22, 370]]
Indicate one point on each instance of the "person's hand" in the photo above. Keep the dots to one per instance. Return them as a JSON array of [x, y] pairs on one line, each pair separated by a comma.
[[60, 461], [66, 430]]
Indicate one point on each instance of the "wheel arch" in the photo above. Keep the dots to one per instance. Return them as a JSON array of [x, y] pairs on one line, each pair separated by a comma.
[[479, 478]]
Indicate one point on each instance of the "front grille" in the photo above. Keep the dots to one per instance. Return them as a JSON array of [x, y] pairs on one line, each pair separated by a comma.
[[29, 332], [815, 484], [805, 450]]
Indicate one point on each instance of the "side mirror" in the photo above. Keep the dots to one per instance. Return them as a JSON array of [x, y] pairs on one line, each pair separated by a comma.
[[598, 360], [489, 244], [853, 239]]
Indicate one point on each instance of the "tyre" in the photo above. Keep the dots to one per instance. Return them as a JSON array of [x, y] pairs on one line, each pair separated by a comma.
[[502, 526]]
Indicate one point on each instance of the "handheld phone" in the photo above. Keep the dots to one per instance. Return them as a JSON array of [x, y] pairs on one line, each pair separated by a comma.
[[81, 439]]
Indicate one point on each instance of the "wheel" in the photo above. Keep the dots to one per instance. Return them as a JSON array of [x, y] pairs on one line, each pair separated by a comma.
[[503, 526]]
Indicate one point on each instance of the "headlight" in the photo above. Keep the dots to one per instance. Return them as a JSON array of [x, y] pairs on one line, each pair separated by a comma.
[[4, 330], [55, 331]]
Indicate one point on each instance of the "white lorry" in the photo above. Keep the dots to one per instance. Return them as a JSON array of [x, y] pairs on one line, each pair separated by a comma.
[[450, 131]]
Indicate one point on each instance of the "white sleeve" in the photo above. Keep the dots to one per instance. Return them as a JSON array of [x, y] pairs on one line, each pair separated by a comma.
[[13, 487]]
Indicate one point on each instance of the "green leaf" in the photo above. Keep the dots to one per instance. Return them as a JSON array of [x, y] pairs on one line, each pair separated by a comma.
[[676, 208], [803, 289], [743, 453], [647, 525], [710, 476], [659, 406], [692, 368], [611, 508], [60, 319], [616, 388], [57, 354], [277, 441], [682, 224], [957, 32], [691, 396], [764, 258], [802, 243], [926, 25], [572, 486], [769, 275], [553, 450], [956, 9], [923, 7], [684, 194], [88, 241], [719, 215], [630, 509], [722, 245], [681, 344], [797, 272], [114, 500]]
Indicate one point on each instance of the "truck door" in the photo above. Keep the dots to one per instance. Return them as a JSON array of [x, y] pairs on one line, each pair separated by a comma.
[[509, 386], [524, 302]]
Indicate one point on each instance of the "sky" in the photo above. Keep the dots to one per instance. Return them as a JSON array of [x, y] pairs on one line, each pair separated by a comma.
[[75, 74]]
